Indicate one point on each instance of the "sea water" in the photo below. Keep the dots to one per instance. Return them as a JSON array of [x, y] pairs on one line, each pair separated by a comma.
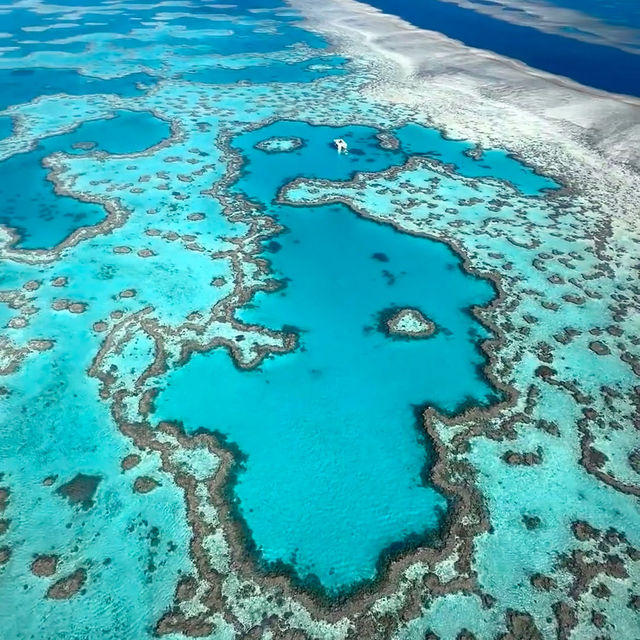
[[319, 489], [333, 464], [43, 218]]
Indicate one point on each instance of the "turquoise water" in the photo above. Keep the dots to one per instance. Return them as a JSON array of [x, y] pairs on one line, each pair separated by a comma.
[[39, 216], [315, 427], [492, 163], [264, 173], [22, 85], [5, 127], [332, 471], [53, 427]]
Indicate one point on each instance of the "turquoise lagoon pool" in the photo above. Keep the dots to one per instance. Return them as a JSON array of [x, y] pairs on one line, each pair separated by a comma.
[[335, 463]]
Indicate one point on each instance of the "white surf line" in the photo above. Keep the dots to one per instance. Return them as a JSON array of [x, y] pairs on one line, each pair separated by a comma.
[[589, 139]]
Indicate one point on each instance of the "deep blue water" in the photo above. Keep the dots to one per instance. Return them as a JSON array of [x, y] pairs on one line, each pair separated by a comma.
[[22, 50], [595, 65], [23, 85], [40, 216], [620, 12], [6, 127]]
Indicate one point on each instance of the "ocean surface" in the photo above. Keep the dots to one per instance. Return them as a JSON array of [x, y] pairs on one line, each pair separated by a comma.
[[212, 403], [598, 45]]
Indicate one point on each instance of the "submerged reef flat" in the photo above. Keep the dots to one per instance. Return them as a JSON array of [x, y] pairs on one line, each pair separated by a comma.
[[254, 388], [279, 144]]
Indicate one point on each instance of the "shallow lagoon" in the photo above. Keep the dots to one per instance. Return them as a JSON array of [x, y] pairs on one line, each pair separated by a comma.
[[43, 218], [487, 163], [137, 547]]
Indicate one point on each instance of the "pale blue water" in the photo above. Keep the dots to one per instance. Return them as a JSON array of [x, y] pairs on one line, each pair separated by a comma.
[[334, 472], [318, 488], [132, 548]]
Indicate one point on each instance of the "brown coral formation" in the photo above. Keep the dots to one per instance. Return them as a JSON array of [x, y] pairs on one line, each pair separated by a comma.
[[526, 459], [130, 461], [80, 490], [145, 484], [5, 555], [44, 566], [67, 587], [407, 323]]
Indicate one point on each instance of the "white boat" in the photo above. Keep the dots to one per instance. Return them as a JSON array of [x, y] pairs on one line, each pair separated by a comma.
[[341, 145]]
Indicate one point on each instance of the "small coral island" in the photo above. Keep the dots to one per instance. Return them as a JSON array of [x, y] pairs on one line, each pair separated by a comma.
[[280, 144], [406, 323]]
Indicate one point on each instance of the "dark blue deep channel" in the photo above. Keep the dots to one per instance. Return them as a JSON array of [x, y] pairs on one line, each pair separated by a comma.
[[595, 65]]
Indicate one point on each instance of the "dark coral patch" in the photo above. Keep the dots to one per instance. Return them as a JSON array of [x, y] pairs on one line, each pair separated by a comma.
[[145, 484], [44, 566], [68, 586], [80, 490]]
